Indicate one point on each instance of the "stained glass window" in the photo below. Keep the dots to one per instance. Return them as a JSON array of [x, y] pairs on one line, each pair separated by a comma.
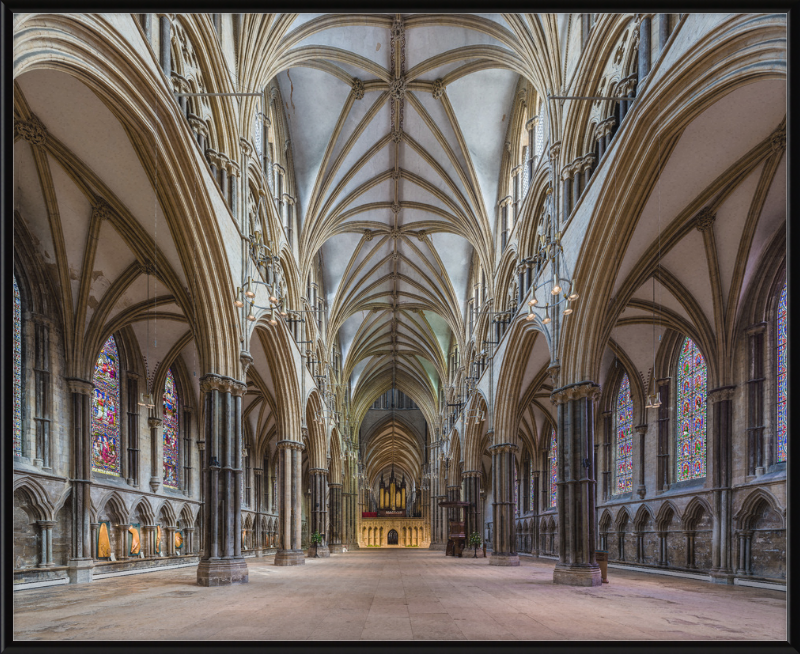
[[782, 376], [257, 135], [553, 469], [170, 431], [516, 491], [623, 451], [106, 411], [691, 412], [532, 501], [525, 177], [17, 371]]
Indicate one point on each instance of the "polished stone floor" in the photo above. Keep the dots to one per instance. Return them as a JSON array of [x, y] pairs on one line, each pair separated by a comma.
[[398, 594]]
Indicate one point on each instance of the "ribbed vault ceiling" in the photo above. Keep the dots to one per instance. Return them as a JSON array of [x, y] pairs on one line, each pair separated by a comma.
[[397, 127]]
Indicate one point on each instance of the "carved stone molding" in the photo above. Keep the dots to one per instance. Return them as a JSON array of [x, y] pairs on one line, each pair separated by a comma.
[[395, 208], [421, 234], [757, 328], [704, 219], [291, 445], [368, 234], [358, 89], [720, 394], [101, 209], [503, 447], [472, 473], [641, 429], [154, 423], [555, 149], [398, 87], [318, 471], [398, 29], [438, 89], [33, 130], [80, 386], [246, 360], [244, 144], [778, 139], [213, 382], [397, 136], [586, 389]]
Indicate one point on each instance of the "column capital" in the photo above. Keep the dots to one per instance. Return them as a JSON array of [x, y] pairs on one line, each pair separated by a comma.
[[641, 429], [318, 471], [79, 386], [154, 423], [213, 382], [720, 394], [756, 328], [504, 447], [45, 523], [245, 146], [467, 474], [704, 219], [575, 391], [291, 445], [334, 485], [32, 130]]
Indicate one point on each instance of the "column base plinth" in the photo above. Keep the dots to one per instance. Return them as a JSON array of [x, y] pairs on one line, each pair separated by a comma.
[[290, 557], [721, 577], [79, 571], [322, 552], [222, 572], [584, 575], [336, 548], [504, 558], [436, 546]]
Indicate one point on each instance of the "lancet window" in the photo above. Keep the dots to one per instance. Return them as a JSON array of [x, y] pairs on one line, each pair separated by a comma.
[[106, 411], [691, 410]]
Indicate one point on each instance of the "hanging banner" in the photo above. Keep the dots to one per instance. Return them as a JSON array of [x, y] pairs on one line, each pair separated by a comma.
[[134, 539], [103, 541]]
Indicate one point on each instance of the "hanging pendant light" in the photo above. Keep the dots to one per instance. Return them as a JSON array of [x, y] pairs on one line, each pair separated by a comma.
[[654, 401], [546, 318], [531, 315], [248, 289], [556, 290], [239, 301], [573, 295], [145, 399], [272, 319], [250, 315], [533, 302], [568, 310]]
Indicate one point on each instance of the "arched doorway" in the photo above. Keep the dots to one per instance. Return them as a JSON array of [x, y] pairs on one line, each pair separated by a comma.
[[391, 537]]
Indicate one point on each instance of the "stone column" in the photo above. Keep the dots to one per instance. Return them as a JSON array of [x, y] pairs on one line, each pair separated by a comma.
[[662, 471], [122, 544], [504, 550], [148, 535], [42, 393], [289, 503], [576, 506], [608, 430], [46, 543], [258, 497], [79, 565], [644, 46], [586, 165], [662, 22], [335, 500], [222, 563], [223, 177], [566, 176], [170, 531], [641, 490], [755, 400], [472, 482], [94, 527], [719, 460], [147, 26], [213, 161], [165, 30], [609, 128], [577, 188], [319, 512], [188, 542], [133, 429], [689, 546], [156, 453]]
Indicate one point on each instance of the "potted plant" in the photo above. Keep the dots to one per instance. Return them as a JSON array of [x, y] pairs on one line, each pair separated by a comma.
[[316, 538], [475, 540]]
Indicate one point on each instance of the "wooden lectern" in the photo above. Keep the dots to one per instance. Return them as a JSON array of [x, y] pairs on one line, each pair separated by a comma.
[[457, 538]]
